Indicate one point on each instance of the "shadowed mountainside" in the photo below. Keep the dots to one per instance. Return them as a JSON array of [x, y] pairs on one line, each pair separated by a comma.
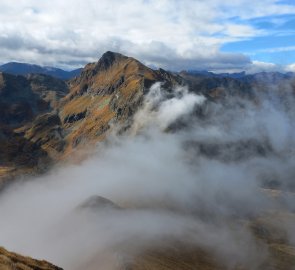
[[24, 100]]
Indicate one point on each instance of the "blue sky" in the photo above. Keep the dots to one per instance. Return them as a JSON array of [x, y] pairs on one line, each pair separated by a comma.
[[216, 35], [275, 44]]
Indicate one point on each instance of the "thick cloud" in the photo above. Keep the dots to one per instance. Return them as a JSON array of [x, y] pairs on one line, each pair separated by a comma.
[[171, 34], [200, 185]]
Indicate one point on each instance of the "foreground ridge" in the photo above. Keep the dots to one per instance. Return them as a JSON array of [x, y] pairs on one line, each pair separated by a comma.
[[13, 261]]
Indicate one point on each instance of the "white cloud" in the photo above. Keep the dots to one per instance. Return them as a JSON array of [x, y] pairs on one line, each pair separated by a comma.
[[279, 49], [69, 33], [258, 66], [291, 67], [173, 186]]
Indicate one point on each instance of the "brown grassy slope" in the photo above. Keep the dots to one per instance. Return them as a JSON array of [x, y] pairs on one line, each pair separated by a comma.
[[272, 228], [106, 92], [273, 248], [180, 258], [277, 253], [13, 261]]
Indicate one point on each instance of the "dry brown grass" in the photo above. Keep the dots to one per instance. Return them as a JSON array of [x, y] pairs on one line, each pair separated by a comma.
[[175, 259], [13, 261]]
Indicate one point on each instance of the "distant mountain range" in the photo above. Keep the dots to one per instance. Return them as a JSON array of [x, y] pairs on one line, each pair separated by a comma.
[[242, 75], [25, 69], [214, 75]]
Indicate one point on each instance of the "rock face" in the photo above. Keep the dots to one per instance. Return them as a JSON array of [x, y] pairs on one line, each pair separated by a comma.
[[13, 261]]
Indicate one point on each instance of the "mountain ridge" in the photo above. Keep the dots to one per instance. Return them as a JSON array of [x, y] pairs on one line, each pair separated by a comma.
[[57, 116], [17, 68], [22, 68]]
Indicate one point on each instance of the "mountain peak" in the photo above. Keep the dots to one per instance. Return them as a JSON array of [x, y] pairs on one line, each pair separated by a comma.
[[109, 58], [112, 55]]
